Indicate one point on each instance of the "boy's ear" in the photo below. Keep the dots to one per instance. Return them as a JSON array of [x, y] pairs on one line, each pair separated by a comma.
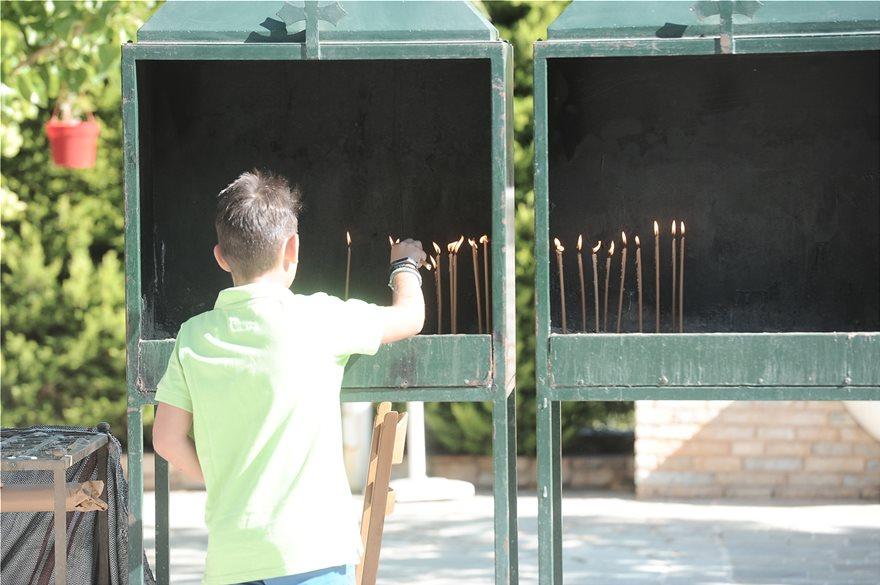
[[291, 250], [218, 256]]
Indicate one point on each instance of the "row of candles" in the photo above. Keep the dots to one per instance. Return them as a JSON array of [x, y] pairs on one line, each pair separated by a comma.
[[677, 297], [434, 264]]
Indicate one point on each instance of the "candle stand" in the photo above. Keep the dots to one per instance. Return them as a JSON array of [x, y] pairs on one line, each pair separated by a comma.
[[393, 118], [754, 124]]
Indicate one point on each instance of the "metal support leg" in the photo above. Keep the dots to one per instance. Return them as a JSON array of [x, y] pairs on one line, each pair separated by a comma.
[[504, 470], [556, 498], [163, 537], [60, 491], [135, 496], [102, 528], [549, 493]]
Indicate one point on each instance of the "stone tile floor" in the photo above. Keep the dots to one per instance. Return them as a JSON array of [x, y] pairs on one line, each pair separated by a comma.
[[608, 539]]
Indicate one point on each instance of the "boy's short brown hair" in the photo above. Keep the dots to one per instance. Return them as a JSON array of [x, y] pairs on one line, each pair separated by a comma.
[[256, 213]]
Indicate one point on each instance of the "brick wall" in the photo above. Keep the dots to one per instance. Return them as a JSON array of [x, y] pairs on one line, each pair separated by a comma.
[[753, 449]]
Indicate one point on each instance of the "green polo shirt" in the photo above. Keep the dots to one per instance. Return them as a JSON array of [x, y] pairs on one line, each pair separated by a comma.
[[261, 373]]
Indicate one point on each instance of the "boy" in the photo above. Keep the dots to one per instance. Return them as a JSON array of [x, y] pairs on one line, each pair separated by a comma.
[[258, 379]]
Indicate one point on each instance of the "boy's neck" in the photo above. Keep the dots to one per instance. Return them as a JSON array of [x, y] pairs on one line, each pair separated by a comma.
[[276, 277]]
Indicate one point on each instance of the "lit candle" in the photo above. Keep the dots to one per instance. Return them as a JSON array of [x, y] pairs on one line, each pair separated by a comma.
[[657, 275], [475, 250], [681, 284], [596, 283], [607, 279], [485, 241], [639, 278], [458, 244], [450, 248], [581, 276], [622, 279], [347, 263], [559, 250], [674, 270], [438, 284]]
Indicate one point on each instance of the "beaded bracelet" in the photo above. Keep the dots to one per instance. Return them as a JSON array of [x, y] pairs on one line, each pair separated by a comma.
[[403, 268]]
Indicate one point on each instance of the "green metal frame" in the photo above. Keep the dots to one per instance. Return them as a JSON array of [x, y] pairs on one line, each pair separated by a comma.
[[447, 368], [712, 366]]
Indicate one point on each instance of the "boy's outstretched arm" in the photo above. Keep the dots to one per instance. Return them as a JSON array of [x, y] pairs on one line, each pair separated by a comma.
[[406, 315], [171, 440]]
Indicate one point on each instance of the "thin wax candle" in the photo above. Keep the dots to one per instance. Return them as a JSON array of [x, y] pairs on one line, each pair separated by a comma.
[[639, 278], [595, 251], [681, 284], [559, 250], [607, 279], [347, 262], [657, 275], [581, 277], [623, 254]]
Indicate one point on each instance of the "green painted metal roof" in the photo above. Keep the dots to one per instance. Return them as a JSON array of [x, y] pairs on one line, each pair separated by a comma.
[[615, 20], [184, 21]]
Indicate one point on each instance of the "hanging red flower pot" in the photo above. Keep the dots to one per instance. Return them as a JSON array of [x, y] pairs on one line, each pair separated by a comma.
[[73, 142]]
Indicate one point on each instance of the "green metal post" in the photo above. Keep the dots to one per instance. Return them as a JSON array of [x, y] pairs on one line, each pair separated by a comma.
[[549, 490], [163, 526], [135, 495], [503, 340], [505, 489], [133, 319]]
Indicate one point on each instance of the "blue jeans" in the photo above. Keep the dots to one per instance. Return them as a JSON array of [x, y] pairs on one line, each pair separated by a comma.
[[341, 575]]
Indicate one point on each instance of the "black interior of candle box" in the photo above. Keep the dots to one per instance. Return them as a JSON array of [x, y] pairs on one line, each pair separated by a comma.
[[770, 160], [379, 148]]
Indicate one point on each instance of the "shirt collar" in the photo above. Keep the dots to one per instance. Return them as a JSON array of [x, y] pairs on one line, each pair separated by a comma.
[[255, 290]]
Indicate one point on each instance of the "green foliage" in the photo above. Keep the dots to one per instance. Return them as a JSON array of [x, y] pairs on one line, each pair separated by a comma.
[[63, 328], [67, 50]]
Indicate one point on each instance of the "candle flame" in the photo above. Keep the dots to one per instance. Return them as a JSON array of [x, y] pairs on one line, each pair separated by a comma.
[[390, 241], [656, 228], [558, 244], [348, 238], [427, 266], [597, 247], [638, 243], [459, 243], [436, 247], [433, 261], [580, 242], [450, 247], [473, 243], [611, 249], [484, 239], [682, 228], [673, 227], [623, 237]]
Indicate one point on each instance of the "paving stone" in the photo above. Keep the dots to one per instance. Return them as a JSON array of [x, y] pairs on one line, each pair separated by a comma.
[[607, 540]]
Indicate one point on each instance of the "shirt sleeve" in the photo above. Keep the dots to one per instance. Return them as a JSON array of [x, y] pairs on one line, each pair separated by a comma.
[[172, 388], [357, 327]]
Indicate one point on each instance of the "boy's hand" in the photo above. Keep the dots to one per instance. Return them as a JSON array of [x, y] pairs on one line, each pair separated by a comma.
[[408, 248], [406, 316]]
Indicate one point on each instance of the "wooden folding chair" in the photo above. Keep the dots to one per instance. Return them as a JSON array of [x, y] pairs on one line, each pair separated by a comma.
[[386, 449]]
